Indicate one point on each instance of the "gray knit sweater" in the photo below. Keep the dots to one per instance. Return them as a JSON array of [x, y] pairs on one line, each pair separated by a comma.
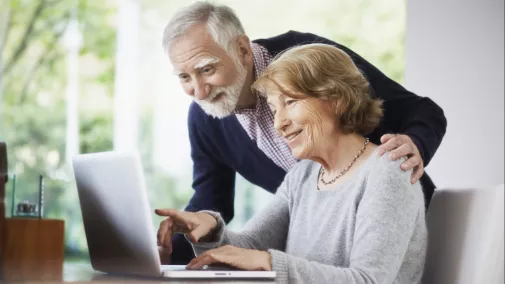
[[370, 229]]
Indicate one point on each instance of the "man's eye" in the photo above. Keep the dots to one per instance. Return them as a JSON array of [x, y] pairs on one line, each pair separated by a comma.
[[183, 77], [207, 70]]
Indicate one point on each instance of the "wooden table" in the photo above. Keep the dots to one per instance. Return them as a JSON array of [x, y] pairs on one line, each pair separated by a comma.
[[83, 273]]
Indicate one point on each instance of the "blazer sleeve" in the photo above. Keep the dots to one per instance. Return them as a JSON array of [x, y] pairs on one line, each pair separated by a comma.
[[213, 183]]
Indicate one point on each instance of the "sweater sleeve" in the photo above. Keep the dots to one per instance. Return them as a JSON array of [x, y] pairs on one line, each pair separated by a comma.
[[267, 229], [386, 220]]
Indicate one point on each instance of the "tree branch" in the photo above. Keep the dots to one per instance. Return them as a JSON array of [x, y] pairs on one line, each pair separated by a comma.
[[49, 54], [26, 36], [50, 25], [47, 58], [5, 35]]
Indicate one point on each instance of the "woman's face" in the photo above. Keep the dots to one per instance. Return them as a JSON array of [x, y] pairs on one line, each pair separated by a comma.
[[303, 123]]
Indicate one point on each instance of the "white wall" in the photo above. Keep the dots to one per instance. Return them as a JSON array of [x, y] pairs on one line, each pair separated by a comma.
[[455, 56]]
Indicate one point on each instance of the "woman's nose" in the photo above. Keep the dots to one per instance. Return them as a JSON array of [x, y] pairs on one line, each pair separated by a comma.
[[280, 121]]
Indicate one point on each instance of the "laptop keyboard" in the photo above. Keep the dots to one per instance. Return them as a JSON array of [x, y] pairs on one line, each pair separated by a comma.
[[205, 268]]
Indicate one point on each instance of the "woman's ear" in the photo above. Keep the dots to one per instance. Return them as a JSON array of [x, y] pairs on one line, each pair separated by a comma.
[[337, 110], [335, 106]]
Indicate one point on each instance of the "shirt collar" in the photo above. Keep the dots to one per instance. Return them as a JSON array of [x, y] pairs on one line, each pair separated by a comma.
[[261, 60]]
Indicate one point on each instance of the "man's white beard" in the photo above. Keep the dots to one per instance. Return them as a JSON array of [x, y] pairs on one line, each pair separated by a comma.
[[228, 102]]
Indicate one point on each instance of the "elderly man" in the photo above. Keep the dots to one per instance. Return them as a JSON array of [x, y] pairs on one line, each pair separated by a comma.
[[231, 128]]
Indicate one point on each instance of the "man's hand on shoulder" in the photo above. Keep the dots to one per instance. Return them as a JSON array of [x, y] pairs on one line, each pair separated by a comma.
[[401, 146]]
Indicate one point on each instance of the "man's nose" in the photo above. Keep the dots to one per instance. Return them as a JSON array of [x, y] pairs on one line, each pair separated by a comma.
[[201, 90]]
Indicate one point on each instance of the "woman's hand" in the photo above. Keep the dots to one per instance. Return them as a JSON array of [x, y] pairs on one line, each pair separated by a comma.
[[195, 225], [246, 259]]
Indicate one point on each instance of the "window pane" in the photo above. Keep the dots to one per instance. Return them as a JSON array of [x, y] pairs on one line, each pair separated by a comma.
[[105, 83]]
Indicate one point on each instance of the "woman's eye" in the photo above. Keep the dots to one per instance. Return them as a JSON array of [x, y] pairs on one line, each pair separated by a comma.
[[290, 102]]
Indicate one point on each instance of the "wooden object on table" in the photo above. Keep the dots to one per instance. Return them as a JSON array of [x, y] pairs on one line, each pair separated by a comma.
[[33, 249], [3, 181]]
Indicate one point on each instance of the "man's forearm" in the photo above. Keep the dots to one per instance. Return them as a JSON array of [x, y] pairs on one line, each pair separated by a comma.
[[427, 129]]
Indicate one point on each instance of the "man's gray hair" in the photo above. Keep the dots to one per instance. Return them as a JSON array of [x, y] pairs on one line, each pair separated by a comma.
[[221, 23]]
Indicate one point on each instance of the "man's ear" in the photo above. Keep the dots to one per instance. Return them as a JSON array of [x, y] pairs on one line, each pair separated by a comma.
[[244, 50]]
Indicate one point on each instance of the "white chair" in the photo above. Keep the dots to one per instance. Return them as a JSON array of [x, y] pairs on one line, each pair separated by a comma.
[[465, 243]]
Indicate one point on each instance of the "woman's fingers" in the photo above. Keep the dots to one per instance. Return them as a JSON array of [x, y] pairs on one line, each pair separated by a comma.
[[180, 222], [202, 260], [218, 255], [176, 222], [174, 213], [177, 216], [228, 255]]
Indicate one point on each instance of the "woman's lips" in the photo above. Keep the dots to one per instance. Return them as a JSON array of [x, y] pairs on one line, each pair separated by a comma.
[[292, 137]]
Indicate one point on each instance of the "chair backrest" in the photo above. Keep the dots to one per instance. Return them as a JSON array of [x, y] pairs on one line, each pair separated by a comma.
[[465, 237]]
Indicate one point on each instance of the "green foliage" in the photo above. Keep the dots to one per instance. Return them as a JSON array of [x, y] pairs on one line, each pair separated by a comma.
[[33, 106], [32, 99], [373, 29], [33, 79], [96, 133]]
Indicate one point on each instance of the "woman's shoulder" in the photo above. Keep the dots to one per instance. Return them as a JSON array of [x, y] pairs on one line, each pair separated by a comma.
[[386, 176], [384, 164]]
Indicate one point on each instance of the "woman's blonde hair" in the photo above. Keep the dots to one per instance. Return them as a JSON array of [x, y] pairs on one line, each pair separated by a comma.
[[325, 72]]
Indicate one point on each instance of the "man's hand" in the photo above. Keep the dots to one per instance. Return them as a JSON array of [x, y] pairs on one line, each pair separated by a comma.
[[165, 255], [400, 146], [195, 225], [240, 258]]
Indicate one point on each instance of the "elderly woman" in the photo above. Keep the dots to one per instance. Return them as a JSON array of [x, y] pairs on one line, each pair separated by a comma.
[[343, 214]]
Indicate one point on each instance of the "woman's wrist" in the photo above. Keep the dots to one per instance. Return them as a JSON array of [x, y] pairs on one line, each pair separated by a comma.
[[267, 261], [212, 222]]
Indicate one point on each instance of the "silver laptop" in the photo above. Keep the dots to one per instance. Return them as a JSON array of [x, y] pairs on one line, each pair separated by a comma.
[[118, 225]]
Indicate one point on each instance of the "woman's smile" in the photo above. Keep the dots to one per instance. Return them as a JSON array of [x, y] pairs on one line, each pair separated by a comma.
[[291, 137]]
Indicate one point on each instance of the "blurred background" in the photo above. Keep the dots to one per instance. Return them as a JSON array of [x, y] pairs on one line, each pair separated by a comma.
[[90, 75]]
